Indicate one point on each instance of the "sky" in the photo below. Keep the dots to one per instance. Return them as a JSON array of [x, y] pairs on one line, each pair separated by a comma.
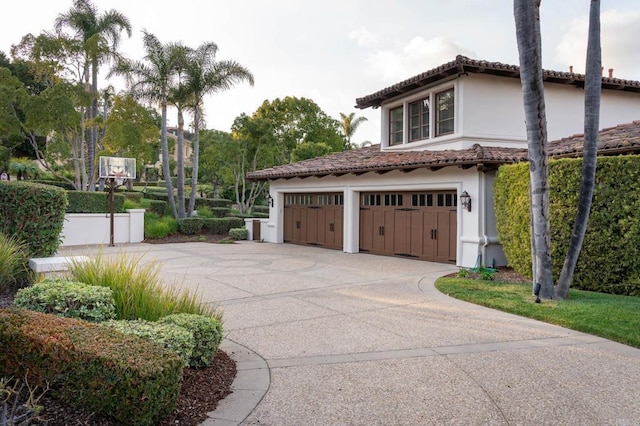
[[335, 51]]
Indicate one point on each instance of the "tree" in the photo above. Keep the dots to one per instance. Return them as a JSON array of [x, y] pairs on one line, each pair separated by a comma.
[[527, 18], [349, 124], [100, 36], [151, 80], [204, 75], [215, 165], [592, 87]]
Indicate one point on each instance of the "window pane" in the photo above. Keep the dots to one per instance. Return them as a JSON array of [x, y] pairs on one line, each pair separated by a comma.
[[419, 120], [395, 126], [445, 112]]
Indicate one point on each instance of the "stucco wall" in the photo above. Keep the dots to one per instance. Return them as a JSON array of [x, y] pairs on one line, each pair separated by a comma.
[[476, 229], [94, 228]]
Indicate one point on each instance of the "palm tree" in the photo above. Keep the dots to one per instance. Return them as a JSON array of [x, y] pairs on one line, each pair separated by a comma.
[[204, 75], [152, 80], [100, 36], [592, 87], [350, 124], [527, 17]]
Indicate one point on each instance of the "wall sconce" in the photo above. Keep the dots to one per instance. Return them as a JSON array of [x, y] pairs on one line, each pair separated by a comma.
[[270, 200], [465, 200]]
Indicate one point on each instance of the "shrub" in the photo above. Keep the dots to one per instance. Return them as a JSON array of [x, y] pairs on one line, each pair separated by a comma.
[[159, 227], [158, 207], [14, 259], [207, 335], [60, 184], [614, 221], [137, 288], [213, 202], [239, 233], [204, 212], [221, 225], [170, 336], [93, 202], [134, 196], [68, 299], [34, 214], [189, 225], [91, 366]]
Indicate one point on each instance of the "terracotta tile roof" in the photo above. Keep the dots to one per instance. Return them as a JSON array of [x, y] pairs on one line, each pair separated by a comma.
[[462, 65], [371, 159], [621, 139]]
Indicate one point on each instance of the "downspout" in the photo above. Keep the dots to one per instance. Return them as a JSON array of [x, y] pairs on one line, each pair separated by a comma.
[[484, 239]]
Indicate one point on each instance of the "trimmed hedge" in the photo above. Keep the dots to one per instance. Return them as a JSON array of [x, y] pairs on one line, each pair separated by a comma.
[[190, 225], [610, 257], [33, 213], [207, 335], [60, 184], [158, 207], [221, 225], [168, 335], [239, 233], [213, 202], [261, 209], [93, 202], [134, 196], [68, 299], [91, 366]]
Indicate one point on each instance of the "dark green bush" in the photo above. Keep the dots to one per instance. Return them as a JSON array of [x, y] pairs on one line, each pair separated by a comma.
[[157, 206], [239, 233], [134, 196], [221, 225], [260, 209], [153, 195], [91, 366], [60, 184], [213, 202], [610, 257], [34, 214], [207, 334], [68, 299], [190, 225], [93, 202]]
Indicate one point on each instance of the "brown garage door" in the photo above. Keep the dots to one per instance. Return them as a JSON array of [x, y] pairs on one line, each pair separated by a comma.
[[314, 219], [420, 225]]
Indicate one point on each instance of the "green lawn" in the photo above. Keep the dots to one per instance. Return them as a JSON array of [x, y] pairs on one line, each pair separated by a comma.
[[606, 315]]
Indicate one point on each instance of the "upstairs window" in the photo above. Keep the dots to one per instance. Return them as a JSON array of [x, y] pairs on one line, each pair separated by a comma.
[[395, 126], [419, 120], [444, 112]]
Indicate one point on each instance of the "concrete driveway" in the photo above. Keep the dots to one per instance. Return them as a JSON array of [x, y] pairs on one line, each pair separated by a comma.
[[356, 339]]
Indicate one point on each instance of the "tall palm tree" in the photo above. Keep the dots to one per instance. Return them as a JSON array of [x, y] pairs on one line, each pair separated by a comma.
[[527, 18], [100, 36], [152, 79], [204, 75], [592, 87], [350, 124]]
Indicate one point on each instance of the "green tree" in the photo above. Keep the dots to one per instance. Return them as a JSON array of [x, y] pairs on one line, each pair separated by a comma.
[[152, 80], [131, 131], [349, 124], [204, 75], [215, 165], [100, 36], [13, 98]]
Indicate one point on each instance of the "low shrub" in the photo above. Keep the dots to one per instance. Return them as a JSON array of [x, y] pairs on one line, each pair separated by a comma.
[[93, 202], [91, 366], [239, 233], [207, 335], [168, 335], [68, 299], [137, 288], [190, 225], [34, 214], [159, 226], [260, 209], [134, 196], [14, 260], [60, 184], [157, 206], [221, 225], [213, 202]]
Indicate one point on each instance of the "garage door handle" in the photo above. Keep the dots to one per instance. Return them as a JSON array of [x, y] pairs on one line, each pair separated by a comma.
[[298, 225], [434, 234], [331, 227], [380, 230]]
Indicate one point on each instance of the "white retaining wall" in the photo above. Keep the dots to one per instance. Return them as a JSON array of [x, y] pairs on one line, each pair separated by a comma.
[[94, 228]]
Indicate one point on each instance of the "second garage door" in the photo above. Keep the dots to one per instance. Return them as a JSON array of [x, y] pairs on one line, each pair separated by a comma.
[[420, 225], [314, 219]]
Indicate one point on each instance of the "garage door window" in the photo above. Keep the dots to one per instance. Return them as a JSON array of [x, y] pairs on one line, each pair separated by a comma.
[[447, 200]]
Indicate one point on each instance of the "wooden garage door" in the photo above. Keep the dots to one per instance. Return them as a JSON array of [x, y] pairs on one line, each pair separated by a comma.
[[314, 219], [420, 225]]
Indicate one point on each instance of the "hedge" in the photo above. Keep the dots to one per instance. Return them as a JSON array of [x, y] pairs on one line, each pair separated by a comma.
[[239, 233], [221, 225], [207, 335], [33, 213], [93, 202], [610, 257], [157, 206], [190, 225], [91, 366]]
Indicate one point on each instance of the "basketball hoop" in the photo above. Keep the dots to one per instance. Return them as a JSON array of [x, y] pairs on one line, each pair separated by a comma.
[[119, 181]]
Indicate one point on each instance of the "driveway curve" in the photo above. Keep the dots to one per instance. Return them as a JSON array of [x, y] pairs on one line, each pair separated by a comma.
[[356, 339]]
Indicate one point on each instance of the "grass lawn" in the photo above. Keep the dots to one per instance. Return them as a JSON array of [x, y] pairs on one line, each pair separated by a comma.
[[606, 315]]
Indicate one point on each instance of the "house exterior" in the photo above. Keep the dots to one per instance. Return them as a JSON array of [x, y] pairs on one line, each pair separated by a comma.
[[444, 134]]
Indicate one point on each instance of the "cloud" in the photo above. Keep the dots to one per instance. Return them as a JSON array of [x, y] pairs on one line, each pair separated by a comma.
[[363, 37], [619, 35], [416, 56]]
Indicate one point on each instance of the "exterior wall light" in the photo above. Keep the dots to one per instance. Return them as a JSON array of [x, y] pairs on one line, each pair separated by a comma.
[[270, 200], [465, 200]]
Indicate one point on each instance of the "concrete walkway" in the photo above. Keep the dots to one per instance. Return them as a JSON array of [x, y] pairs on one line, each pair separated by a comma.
[[326, 338]]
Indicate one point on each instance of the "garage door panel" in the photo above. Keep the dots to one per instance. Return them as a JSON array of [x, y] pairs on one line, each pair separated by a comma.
[[313, 219]]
